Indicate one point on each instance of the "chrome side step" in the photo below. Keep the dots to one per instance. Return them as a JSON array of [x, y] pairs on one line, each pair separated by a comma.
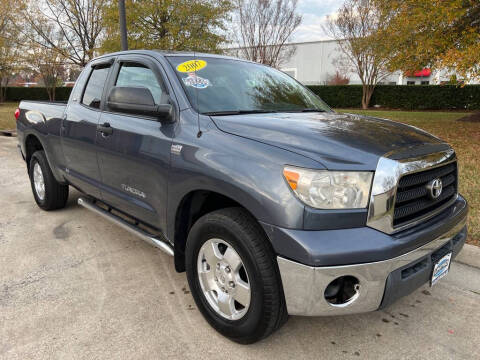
[[153, 240]]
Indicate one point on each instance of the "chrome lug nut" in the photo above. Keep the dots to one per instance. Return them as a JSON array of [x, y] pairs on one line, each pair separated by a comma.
[[227, 269], [231, 284]]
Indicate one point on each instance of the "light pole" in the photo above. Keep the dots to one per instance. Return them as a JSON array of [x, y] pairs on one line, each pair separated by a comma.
[[123, 24]]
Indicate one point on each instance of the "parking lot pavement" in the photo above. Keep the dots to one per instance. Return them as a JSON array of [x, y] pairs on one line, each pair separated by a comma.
[[73, 285]]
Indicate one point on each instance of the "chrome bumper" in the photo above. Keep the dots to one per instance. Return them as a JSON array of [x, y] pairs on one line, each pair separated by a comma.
[[304, 286]]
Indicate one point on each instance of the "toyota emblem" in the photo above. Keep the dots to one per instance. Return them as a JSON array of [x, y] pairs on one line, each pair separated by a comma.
[[434, 188]]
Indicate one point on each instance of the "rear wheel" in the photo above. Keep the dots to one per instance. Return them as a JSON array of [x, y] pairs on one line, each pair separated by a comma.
[[233, 275], [49, 194]]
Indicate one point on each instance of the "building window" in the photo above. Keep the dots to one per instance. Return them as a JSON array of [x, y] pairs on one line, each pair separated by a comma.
[[425, 82], [410, 82]]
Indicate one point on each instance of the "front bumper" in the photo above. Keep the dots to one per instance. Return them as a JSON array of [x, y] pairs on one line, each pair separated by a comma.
[[381, 282]]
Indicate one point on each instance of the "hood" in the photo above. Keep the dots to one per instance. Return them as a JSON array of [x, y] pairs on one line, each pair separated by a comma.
[[337, 141]]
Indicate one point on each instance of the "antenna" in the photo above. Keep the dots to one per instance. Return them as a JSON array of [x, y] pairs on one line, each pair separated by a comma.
[[196, 98]]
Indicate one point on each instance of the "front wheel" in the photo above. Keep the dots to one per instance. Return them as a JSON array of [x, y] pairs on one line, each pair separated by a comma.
[[233, 276]]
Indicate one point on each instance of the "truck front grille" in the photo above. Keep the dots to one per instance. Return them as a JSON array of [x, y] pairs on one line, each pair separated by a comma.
[[413, 200]]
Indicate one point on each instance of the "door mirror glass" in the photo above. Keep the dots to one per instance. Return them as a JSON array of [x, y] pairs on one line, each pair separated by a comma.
[[137, 100]]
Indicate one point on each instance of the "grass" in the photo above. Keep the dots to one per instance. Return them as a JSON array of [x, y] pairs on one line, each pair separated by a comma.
[[7, 118], [463, 136]]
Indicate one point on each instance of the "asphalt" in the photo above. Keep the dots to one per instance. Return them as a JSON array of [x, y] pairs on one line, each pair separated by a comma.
[[74, 286]]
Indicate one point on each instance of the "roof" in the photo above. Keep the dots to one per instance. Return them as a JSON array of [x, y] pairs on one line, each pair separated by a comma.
[[168, 53]]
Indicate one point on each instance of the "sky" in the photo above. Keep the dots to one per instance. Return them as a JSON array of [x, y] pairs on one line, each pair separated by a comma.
[[314, 15]]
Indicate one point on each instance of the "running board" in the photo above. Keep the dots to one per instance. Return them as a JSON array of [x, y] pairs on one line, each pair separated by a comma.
[[153, 240]]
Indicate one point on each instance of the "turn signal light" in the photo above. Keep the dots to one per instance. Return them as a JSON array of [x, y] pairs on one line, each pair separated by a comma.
[[17, 113], [292, 178]]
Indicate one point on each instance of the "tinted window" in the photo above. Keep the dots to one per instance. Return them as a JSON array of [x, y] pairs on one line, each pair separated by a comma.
[[94, 89], [137, 75], [78, 87], [219, 84]]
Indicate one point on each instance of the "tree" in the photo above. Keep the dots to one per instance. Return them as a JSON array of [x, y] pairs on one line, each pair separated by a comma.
[[434, 33], [50, 66], [169, 24], [6, 69], [356, 30], [46, 62], [8, 52], [338, 79], [263, 28], [79, 22]]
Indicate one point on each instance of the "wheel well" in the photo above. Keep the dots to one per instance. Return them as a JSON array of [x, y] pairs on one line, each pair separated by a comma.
[[193, 206], [32, 144]]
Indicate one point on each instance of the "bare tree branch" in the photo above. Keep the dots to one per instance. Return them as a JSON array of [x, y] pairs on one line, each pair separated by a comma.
[[78, 21], [355, 29], [263, 28]]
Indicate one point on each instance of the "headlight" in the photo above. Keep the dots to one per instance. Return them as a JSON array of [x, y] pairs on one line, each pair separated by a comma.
[[323, 189]]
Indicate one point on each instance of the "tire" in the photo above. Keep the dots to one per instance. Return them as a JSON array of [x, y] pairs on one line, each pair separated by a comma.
[[235, 228], [54, 195]]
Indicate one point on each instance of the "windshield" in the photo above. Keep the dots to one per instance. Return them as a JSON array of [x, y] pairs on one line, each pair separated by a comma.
[[232, 86]]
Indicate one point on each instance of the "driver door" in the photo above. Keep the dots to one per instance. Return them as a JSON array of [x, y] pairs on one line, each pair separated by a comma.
[[134, 155]]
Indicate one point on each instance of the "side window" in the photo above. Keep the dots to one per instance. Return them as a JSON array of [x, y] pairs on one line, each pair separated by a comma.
[[138, 75], [94, 88], [76, 93]]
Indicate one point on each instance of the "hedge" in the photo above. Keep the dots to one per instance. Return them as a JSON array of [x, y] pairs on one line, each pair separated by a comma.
[[36, 93], [408, 97]]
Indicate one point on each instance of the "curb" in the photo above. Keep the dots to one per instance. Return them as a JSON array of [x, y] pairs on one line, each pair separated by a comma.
[[470, 255], [8, 132]]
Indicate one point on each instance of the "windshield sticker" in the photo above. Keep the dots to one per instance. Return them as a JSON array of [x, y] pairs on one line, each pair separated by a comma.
[[196, 81], [191, 65]]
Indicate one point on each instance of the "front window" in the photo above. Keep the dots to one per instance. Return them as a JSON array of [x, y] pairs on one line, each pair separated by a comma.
[[217, 85], [138, 75]]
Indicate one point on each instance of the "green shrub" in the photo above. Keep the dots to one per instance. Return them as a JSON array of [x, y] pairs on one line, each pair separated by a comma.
[[36, 93], [408, 97]]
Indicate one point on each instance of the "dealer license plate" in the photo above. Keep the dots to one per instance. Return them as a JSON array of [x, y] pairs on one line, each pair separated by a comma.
[[440, 269]]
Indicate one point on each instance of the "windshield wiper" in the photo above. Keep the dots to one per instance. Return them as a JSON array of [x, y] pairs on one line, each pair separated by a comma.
[[237, 112], [301, 110], [312, 110]]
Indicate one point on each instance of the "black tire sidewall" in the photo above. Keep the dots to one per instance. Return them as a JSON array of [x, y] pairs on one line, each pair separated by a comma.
[[56, 194], [37, 158], [202, 231]]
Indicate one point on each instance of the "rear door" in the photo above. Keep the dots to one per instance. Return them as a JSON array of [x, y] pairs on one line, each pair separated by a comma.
[[134, 158], [79, 129]]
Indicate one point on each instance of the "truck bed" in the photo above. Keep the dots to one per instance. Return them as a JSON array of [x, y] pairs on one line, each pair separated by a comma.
[[49, 109]]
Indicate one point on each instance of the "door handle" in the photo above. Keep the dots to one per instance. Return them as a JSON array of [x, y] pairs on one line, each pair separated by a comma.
[[105, 129]]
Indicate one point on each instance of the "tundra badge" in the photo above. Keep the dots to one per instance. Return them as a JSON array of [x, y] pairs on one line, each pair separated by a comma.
[[176, 149], [134, 191]]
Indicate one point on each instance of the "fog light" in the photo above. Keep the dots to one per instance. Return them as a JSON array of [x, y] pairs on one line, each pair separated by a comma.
[[342, 291]]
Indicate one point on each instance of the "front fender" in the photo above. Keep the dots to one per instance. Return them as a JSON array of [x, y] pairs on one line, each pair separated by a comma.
[[244, 170]]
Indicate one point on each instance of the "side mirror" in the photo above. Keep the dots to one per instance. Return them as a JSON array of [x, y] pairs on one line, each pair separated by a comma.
[[137, 100]]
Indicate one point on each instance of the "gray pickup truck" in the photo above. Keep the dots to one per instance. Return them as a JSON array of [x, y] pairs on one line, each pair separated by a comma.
[[272, 203]]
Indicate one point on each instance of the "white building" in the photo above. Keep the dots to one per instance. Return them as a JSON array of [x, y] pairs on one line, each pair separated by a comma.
[[315, 62]]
